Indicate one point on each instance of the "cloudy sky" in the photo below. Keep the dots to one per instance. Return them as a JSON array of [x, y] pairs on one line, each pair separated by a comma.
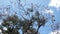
[[53, 6]]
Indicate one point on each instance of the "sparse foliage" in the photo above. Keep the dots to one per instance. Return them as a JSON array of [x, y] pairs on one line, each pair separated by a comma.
[[13, 23]]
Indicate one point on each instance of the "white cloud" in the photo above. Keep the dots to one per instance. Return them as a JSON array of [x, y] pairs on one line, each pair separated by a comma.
[[4, 28], [49, 12], [55, 3], [0, 30], [0, 23], [55, 32]]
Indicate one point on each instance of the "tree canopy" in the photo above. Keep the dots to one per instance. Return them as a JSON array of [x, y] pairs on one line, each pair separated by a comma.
[[12, 23]]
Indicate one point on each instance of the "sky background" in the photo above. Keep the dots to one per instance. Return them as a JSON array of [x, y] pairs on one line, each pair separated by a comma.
[[53, 5]]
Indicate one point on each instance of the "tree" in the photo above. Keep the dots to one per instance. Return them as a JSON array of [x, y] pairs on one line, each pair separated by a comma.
[[14, 24], [56, 28]]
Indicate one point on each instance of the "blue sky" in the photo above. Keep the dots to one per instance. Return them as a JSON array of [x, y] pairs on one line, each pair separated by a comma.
[[42, 3]]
